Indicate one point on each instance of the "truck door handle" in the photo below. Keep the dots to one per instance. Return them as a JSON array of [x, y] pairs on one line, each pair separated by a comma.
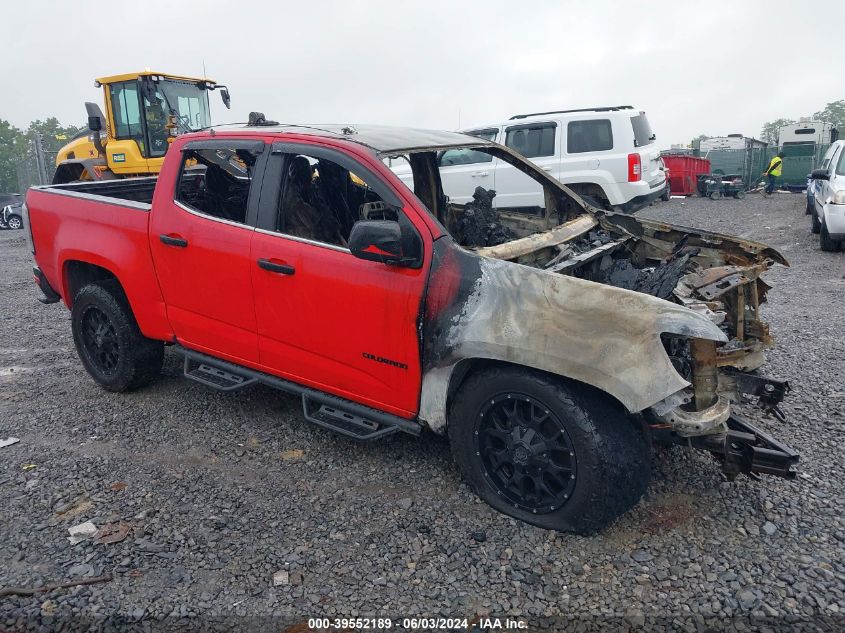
[[273, 267], [546, 168], [480, 174], [172, 240]]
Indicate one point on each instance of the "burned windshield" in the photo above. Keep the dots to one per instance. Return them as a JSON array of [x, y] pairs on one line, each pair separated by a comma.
[[486, 202]]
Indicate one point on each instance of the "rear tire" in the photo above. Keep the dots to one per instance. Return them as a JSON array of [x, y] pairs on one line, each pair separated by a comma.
[[828, 245], [546, 453], [109, 342], [715, 195], [740, 195], [15, 222]]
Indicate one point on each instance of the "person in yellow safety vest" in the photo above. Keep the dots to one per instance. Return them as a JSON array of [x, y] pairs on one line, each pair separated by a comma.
[[774, 170]]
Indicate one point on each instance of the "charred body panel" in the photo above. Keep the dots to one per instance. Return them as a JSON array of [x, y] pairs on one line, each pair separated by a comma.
[[607, 337]]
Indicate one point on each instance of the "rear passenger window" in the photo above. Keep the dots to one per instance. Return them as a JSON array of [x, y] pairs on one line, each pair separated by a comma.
[[532, 140], [216, 182], [589, 136]]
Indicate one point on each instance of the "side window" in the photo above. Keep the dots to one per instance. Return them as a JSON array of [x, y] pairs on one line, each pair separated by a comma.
[[532, 140], [589, 136], [127, 111], [320, 200], [840, 168], [468, 156], [828, 157], [216, 182]]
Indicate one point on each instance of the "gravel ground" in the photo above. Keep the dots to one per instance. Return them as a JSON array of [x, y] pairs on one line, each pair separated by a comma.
[[221, 491]]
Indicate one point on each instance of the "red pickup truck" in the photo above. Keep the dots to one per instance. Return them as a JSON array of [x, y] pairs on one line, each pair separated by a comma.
[[553, 343]]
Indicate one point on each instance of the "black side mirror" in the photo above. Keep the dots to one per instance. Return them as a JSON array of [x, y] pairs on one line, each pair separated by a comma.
[[227, 100], [386, 242], [95, 124], [820, 174]]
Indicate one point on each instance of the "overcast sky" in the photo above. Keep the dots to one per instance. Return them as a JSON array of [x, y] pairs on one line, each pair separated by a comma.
[[693, 67]]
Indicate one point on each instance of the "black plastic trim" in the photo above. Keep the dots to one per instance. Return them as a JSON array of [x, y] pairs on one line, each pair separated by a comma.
[[50, 295]]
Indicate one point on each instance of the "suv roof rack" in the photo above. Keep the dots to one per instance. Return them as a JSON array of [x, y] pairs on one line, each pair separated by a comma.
[[601, 109]]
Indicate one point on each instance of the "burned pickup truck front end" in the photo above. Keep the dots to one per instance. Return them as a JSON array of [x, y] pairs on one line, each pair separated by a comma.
[[663, 318], [719, 277]]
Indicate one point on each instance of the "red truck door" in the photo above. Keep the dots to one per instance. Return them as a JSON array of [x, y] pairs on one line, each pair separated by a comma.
[[326, 318], [200, 235]]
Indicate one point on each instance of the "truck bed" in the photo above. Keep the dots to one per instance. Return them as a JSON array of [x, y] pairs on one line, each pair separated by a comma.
[[127, 189], [87, 229]]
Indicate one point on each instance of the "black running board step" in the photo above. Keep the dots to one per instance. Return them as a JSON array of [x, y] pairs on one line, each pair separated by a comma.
[[343, 421], [326, 410], [216, 377]]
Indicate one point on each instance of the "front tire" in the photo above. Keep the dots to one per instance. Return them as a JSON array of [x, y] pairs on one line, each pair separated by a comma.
[[543, 452], [816, 226], [109, 342], [15, 222]]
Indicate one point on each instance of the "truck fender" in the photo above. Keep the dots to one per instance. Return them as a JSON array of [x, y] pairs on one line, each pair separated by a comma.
[[607, 337]]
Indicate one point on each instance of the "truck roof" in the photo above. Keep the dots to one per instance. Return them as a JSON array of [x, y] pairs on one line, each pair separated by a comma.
[[383, 139]]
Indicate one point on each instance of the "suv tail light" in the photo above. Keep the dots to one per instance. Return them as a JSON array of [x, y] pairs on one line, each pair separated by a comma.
[[635, 167]]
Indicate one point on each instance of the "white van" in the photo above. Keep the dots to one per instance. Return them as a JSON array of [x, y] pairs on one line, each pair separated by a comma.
[[605, 153]]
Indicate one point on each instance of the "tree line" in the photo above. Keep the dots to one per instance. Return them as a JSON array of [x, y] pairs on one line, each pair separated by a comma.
[[15, 146]]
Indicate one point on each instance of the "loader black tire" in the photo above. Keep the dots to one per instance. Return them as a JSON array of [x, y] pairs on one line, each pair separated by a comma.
[[609, 459], [109, 342]]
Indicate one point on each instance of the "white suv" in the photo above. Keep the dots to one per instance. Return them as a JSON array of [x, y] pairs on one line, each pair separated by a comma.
[[607, 154], [829, 198]]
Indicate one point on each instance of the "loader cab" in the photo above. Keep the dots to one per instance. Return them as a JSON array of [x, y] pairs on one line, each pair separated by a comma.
[[145, 112]]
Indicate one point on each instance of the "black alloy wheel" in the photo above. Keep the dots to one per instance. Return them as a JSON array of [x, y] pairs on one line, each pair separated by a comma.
[[99, 340], [526, 453]]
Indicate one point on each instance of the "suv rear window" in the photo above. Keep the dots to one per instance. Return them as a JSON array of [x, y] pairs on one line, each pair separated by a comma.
[[594, 135], [532, 140], [642, 130]]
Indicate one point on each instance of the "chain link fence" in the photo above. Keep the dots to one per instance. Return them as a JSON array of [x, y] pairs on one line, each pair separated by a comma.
[[38, 163]]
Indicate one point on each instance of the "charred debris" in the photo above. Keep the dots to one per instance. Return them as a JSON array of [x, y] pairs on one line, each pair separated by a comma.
[[480, 224]]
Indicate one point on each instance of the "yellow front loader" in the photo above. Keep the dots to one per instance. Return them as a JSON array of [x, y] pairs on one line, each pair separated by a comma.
[[144, 111]]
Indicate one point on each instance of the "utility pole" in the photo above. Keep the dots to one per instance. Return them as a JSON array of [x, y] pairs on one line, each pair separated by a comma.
[[39, 158]]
